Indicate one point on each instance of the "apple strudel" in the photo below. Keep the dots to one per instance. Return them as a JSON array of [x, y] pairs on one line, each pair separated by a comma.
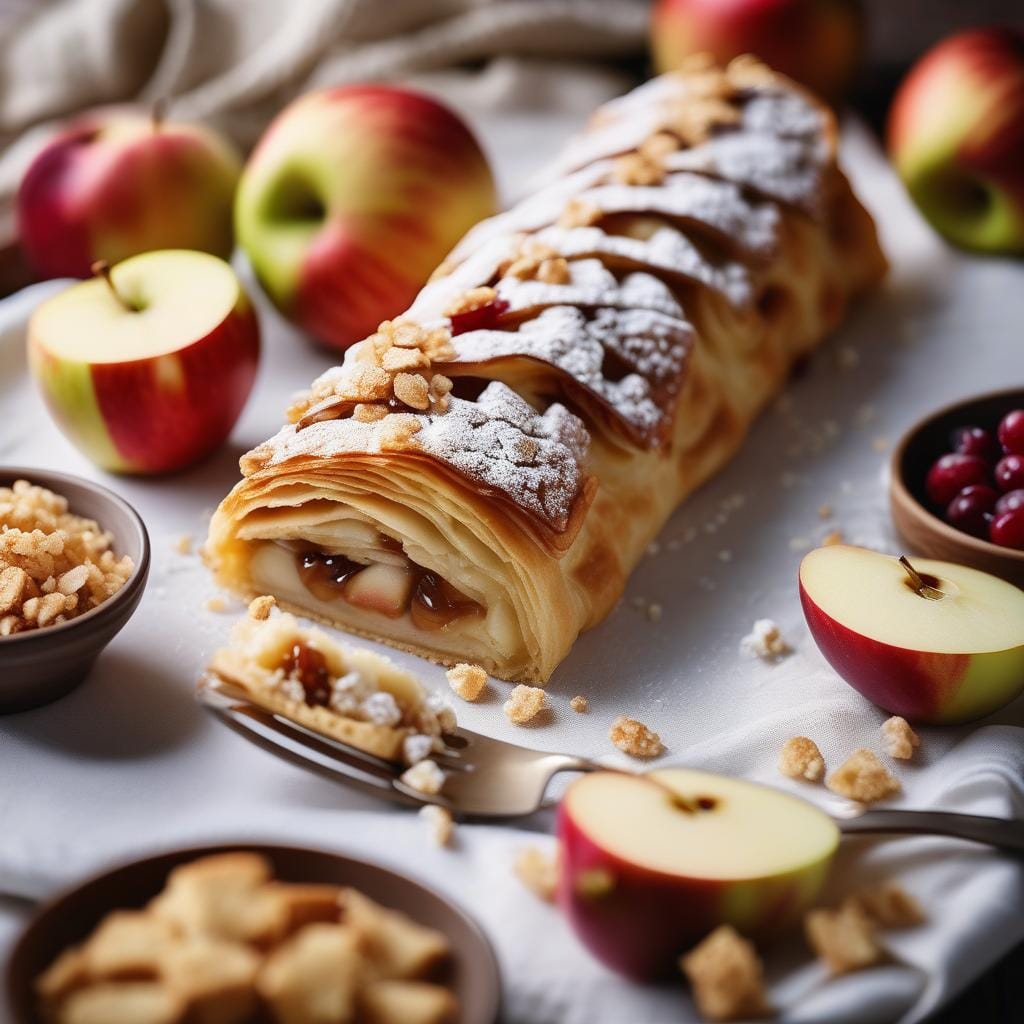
[[477, 479]]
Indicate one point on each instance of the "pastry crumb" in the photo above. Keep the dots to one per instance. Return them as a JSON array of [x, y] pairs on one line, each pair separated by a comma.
[[183, 545], [765, 641], [538, 872], [844, 939], [635, 738], [425, 777], [830, 539], [653, 612], [899, 739], [800, 758], [215, 604], [524, 704], [579, 704], [439, 823], [727, 977], [889, 905], [468, 681], [862, 777], [260, 607]]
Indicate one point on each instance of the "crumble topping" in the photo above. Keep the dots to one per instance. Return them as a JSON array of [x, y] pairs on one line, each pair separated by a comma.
[[260, 607], [863, 778], [800, 758], [524, 704], [183, 545], [579, 704], [579, 213], [727, 977], [439, 823], [844, 939], [899, 739], [538, 872], [889, 905], [635, 738], [54, 565], [425, 777], [535, 261], [765, 641], [469, 302], [640, 168], [468, 681]]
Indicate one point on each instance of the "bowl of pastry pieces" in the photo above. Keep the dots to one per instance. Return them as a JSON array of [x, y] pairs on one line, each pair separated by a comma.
[[252, 934]]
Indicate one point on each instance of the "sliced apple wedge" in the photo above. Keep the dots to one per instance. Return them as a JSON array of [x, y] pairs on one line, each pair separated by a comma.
[[381, 588], [945, 647], [651, 863]]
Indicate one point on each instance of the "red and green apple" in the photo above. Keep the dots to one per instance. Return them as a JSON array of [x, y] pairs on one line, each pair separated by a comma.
[[652, 863], [350, 200], [815, 42], [932, 641], [956, 136], [116, 183], [147, 366]]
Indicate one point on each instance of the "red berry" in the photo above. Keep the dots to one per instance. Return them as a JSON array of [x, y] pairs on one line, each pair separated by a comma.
[[976, 441], [482, 318], [1010, 501], [1008, 529], [951, 474], [971, 509], [1010, 472], [1011, 432]]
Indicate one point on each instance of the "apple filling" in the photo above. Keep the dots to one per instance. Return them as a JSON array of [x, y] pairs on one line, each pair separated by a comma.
[[393, 590]]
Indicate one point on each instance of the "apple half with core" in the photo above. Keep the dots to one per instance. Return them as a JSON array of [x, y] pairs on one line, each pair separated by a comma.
[[146, 367], [351, 199], [932, 641], [956, 136], [118, 182], [652, 863], [815, 42]]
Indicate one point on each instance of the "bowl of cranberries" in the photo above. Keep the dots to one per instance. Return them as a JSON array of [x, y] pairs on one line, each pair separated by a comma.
[[958, 484]]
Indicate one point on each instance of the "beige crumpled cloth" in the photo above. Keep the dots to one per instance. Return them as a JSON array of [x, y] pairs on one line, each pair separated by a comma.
[[234, 63]]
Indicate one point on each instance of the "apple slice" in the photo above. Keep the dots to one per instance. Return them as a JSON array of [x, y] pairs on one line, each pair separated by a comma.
[[148, 370], [949, 650], [651, 863], [381, 588]]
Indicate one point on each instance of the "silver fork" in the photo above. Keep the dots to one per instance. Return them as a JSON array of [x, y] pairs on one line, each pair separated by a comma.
[[492, 779]]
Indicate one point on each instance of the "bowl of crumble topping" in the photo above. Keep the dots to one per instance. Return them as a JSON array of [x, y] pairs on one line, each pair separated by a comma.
[[74, 558]]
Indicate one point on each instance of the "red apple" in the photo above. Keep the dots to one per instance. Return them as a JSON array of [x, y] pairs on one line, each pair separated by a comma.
[[352, 198], [652, 863], [117, 183], [815, 42], [148, 370], [956, 136], [951, 650]]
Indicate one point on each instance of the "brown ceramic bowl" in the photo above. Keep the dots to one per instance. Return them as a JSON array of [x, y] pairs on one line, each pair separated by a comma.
[[919, 526], [71, 916], [41, 665]]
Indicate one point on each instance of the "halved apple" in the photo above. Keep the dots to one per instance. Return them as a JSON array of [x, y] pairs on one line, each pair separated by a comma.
[[651, 863], [948, 650]]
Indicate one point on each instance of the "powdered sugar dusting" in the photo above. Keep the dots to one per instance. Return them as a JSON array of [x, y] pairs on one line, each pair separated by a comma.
[[498, 442], [645, 350]]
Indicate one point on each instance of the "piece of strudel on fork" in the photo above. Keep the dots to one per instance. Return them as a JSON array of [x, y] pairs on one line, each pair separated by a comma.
[[479, 477]]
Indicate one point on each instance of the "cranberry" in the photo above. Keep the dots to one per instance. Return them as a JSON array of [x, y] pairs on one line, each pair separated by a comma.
[[1010, 472], [483, 318], [1009, 501], [952, 473], [976, 441], [971, 509], [1011, 432], [1007, 529]]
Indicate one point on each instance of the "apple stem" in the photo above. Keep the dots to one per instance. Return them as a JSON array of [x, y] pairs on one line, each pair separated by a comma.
[[101, 268], [917, 582], [158, 113]]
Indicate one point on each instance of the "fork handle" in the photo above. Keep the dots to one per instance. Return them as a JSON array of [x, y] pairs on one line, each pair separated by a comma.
[[1003, 833]]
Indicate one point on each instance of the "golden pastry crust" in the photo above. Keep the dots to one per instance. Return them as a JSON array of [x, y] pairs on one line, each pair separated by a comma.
[[632, 317]]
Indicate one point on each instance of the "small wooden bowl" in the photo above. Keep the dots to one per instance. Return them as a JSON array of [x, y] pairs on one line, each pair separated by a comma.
[[70, 917], [921, 529]]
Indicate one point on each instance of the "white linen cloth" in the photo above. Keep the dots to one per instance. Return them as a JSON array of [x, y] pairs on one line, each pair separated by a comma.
[[129, 762]]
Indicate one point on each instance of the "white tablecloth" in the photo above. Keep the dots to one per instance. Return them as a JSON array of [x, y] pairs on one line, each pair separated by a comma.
[[129, 761]]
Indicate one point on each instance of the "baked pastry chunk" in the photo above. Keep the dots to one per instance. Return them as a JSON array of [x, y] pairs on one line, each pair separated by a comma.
[[477, 479], [347, 693]]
